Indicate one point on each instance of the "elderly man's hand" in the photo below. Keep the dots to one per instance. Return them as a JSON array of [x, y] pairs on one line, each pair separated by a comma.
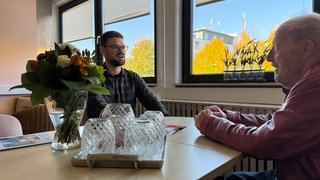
[[206, 115], [202, 119], [216, 111]]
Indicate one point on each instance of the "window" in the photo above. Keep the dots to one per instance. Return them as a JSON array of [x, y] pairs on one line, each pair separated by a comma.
[[134, 19], [77, 24], [232, 38]]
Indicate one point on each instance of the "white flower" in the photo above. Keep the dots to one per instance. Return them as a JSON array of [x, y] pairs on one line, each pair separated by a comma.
[[73, 49], [62, 46], [63, 61]]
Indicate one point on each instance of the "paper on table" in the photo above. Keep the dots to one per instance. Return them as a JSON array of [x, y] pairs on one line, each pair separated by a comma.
[[171, 129], [24, 140]]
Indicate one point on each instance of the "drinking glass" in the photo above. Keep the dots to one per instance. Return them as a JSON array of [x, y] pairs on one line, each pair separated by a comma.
[[98, 137], [120, 115], [141, 139], [157, 118], [117, 109]]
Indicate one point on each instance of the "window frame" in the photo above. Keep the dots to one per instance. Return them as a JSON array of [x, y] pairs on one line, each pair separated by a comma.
[[187, 76], [98, 31]]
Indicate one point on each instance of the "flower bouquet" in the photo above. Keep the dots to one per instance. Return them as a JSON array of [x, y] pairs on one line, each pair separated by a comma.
[[58, 76]]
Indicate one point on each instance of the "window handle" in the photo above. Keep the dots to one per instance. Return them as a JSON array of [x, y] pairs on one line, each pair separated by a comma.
[[98, 40]]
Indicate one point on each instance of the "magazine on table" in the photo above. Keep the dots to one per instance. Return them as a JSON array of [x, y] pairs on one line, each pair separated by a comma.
[[172, 129], [12, 142]]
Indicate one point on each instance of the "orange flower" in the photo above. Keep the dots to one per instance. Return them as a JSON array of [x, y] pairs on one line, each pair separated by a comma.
[[83, 72], [85, 63], [34, 65], [76, 60]]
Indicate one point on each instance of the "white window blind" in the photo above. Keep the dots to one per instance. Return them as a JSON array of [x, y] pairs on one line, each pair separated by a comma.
[[78, 22], [204, 2], [120, 10]]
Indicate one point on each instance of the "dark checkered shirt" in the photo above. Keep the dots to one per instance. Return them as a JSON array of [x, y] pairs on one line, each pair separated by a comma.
[[125, 87]]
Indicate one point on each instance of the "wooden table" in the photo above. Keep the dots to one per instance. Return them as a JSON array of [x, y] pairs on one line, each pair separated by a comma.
[[189, 155]]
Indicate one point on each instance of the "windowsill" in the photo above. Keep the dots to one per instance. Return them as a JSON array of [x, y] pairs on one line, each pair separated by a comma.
[[152, 84], [240, 85], [6, 91]]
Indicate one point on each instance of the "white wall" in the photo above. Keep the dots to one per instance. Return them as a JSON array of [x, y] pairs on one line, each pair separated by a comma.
[[18, 39], [20, 32]]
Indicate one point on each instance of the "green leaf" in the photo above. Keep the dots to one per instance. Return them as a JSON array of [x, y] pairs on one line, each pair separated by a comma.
[[100, 71], [74, 85], [38, 94], [30, 80], [28, 66], [93, 80], [16, 87], [98, 89], [96, 72], [57, 49]]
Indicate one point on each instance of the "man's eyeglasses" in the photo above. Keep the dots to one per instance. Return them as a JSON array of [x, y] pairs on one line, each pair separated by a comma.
[[117, 47]]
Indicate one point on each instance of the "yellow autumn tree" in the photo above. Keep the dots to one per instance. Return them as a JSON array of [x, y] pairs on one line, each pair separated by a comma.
[[210, 59], [244, 40], [142, 58]]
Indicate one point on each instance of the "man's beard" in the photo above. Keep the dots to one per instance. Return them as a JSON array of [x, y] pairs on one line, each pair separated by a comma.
[[114, 62]]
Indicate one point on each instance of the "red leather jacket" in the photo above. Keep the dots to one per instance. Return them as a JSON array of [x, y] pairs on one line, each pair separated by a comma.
[[291, 135]]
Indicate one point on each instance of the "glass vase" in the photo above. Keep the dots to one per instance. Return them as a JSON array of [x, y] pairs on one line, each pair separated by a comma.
[[66, 109]]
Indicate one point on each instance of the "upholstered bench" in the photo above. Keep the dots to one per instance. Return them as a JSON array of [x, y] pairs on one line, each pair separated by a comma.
[[33, 119]]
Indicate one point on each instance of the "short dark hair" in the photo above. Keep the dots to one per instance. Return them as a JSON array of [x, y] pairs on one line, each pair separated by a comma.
[[108, 35]]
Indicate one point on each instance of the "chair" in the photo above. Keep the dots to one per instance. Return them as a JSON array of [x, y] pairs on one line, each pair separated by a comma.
[[33, 119], [9, 126]]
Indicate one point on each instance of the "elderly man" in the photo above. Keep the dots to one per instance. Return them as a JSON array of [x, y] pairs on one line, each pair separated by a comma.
[[290, 135]]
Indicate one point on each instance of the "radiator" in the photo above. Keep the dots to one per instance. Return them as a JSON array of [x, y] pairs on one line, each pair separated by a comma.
[[192, 108]]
